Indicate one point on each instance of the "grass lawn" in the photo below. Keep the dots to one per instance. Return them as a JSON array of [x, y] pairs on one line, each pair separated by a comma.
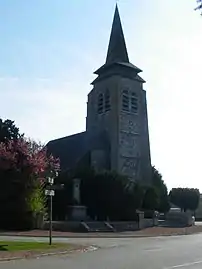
[[10, 246]]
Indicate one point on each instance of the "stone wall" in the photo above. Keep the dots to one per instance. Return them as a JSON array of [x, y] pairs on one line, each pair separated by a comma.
[[121, 226], [126, 130], [65, 226], [117, 226], [146, 223]]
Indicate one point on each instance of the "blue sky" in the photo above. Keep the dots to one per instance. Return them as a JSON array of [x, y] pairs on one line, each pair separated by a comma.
[[49, 50]]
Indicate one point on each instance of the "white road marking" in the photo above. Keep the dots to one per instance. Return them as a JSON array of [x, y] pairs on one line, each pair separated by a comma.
[[183, 265]]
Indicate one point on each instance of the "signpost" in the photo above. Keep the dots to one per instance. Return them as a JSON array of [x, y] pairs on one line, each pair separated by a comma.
[[50, 192]]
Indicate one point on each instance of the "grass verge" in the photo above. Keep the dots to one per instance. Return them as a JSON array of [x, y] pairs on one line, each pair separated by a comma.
[[13, 246]]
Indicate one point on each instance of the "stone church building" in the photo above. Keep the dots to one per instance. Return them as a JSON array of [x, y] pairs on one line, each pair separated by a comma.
[[116, 136]]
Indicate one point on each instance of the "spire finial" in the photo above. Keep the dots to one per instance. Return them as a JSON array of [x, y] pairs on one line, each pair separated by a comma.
[[117, 4], [116, 7], [117, 51]]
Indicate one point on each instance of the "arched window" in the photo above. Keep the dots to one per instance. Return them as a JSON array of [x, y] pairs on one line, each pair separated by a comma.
[[100, 103], [134, 102], [125, 100], [107, 101]]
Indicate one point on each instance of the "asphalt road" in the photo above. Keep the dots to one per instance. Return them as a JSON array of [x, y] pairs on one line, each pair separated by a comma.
[[129, 253]]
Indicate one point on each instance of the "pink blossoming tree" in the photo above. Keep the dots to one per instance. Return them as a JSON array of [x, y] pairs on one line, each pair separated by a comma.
[[24, 165]]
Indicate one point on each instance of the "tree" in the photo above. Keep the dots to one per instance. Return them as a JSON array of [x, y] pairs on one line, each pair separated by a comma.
[[109, 194], [185, 198], [151, 199], [24, 165], [161, 190], [9, 131], [138, 195], [106, 194]]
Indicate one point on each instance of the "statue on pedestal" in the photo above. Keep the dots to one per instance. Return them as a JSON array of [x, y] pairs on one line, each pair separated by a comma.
[[76, 191], [78, 211]]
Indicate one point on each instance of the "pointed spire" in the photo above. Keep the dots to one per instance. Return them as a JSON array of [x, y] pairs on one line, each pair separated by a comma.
[[117, 51]]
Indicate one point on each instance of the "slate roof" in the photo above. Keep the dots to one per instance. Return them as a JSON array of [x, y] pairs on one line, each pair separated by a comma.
[[117, 55], [71, 149], [107, 66], [117, 51]]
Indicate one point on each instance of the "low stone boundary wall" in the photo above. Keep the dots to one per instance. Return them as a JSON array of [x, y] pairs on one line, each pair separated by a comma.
[[146, 223], [65, 226], [117, 226], [121, 226]]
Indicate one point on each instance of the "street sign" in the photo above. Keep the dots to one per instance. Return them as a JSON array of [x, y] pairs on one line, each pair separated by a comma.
[[49, 192], [50, 180]]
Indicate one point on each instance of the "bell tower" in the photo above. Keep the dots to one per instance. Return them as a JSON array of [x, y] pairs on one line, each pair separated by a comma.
[[117, 106]]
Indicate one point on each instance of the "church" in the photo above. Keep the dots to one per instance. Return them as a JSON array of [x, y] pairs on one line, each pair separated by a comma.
[[117, 135]]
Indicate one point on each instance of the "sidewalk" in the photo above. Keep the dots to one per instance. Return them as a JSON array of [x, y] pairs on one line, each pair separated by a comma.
[[154, 231]]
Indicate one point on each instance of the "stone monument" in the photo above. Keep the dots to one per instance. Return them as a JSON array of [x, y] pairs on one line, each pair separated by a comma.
[[76, 191], [77, 211]]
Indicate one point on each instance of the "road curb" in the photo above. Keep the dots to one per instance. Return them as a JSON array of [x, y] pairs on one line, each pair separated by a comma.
[[98, 236]]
